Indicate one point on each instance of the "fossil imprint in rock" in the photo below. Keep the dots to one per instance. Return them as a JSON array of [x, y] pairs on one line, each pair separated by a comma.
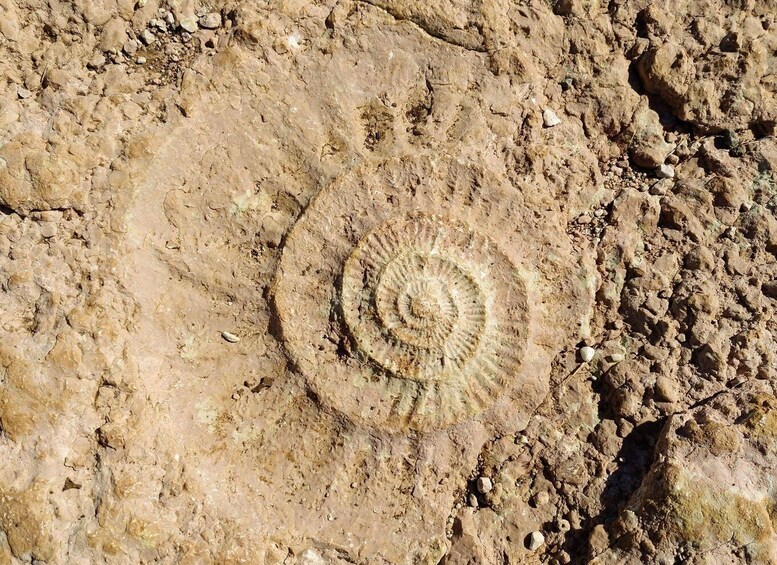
[[409, 298]]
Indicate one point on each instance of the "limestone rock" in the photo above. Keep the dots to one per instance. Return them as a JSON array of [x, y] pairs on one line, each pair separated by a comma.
[[114, 35]]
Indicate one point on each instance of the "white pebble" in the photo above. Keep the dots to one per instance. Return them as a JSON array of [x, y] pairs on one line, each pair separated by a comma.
[[23, 93], [141, 60], [587, 353], [484, 485], [230, 337], [536, 539], [472, 500], [665, 171], [550, 118], [617, 357]]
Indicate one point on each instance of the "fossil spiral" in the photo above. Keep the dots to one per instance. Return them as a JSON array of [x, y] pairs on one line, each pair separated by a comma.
[[404, 297]]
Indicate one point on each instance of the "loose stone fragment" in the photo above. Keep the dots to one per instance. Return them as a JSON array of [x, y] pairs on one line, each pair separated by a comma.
[[541, 498], [485, 485], [230, 337], [210, 21], [550, 118], [665, 171], [147, 37], [130, 48], [666, 389], [536, 539], [97, 62], [189, 24], [587, 353]]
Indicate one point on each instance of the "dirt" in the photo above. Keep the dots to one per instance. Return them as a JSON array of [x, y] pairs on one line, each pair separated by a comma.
[[388, 282]]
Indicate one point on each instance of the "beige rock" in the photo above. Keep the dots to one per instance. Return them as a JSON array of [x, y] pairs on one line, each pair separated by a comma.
[[369, 197], [666, 389], [648, 148], [114, 35], [98, 12], [709, 482]]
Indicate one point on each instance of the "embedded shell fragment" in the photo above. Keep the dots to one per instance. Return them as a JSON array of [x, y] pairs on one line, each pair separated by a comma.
[[400, 318]]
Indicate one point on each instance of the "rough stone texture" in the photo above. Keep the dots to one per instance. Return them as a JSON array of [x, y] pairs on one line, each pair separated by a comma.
[[441, 316], [242, 182], [709, 481]]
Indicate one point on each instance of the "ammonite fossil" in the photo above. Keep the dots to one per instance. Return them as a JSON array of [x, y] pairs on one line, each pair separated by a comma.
[[415, 293]]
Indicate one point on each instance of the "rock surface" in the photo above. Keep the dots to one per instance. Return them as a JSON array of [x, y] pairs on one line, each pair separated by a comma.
[[312, 283]]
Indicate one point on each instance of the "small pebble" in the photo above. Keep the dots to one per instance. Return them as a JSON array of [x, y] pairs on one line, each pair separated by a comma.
[[130, 48], [536, 539], [541, 498], [141, 60], [97, 62], [666, 389], [617, 357], [147, 37], [584, 219], [23, 93], [189, 24], [661, 187], [230, 337], [472, 500], [665, 171], [550, 118], [587, 353], [211, 21], [484, 485]]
